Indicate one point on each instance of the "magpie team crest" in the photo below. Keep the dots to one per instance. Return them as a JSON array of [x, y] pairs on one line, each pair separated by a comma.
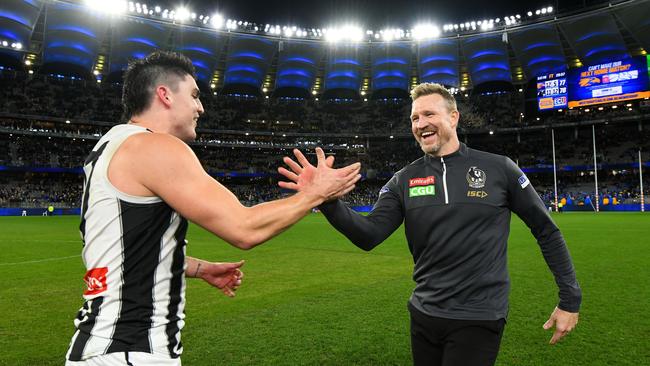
[[476, 177]]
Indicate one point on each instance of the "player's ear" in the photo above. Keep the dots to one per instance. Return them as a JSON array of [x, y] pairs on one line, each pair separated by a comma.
[[163, 94]]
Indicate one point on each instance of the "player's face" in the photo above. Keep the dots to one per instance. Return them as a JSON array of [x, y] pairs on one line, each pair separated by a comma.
[[186, 108], [433, 125]]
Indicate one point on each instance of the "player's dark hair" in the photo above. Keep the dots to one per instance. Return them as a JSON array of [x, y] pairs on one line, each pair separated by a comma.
[[144, 75]]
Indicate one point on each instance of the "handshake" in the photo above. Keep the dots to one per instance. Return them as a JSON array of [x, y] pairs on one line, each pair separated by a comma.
[[321, 182]]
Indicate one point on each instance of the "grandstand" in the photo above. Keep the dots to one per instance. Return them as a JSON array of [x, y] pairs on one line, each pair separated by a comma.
[[270, 88]]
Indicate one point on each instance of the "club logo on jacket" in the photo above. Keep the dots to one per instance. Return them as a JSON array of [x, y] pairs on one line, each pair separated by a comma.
[[476, 177]]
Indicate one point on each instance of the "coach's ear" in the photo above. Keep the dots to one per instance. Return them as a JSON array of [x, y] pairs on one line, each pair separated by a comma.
[[455, 117], [164, 95]]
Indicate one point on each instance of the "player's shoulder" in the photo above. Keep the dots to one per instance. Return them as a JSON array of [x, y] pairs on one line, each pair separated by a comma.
[[155, 151], [160, 144]]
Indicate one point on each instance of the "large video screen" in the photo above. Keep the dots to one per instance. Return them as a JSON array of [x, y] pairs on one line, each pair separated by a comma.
[[552, 91], [609, 82]]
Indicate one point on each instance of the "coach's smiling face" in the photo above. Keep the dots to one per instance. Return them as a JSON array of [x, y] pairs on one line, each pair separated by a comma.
[[434, 125]]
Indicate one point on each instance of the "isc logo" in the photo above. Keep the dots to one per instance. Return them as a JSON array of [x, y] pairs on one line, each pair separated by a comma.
[[422, 191], [478, 194]]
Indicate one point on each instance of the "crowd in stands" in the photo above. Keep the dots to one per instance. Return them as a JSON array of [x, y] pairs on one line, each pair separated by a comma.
[[54, 123], [45, 95]]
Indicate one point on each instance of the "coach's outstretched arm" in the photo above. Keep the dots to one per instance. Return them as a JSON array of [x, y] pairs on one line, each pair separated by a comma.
[[366, 232], [159, 164], [526, 203]]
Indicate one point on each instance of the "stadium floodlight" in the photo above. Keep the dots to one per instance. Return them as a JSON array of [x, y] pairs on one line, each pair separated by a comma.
[[425, 31], [182, 14], [348, 32], [108, 6], [216, 20], [537, 12], [543, 11], [549, 9], [388, 34], [157, 9], [5, 43], [530, 13]]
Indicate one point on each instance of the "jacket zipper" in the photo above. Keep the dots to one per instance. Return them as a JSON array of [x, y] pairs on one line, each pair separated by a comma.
[[444, 179]]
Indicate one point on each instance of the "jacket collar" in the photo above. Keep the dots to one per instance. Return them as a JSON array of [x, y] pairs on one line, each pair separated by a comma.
[[462, 151]]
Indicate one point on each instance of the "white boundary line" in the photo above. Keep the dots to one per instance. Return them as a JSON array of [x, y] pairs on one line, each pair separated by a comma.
[[40, 260]]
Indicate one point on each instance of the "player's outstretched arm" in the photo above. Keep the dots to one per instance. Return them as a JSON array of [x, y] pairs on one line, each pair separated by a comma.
[[563, 321], [166, 167], [227, 277]]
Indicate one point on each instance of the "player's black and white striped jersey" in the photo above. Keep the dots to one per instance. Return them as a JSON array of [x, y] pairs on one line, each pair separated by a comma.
[[134, 252]]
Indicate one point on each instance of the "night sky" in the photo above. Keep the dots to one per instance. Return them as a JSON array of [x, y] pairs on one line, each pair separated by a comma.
[[369, 14]]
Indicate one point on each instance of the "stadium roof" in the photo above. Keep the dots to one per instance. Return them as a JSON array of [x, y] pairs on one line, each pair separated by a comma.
[[74, 39]]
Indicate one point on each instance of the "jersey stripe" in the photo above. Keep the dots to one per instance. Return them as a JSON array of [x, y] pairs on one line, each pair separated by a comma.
[[143, 226], [91, 159], [86, 318], [175, 292]]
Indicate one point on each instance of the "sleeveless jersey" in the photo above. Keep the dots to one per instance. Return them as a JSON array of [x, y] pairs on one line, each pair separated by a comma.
[[134, 253]]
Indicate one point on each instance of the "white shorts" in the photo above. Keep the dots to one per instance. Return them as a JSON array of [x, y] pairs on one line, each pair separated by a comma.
[[127, 359]]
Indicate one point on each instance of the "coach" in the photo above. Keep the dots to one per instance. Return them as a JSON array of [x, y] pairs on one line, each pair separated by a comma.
[[455, 203]]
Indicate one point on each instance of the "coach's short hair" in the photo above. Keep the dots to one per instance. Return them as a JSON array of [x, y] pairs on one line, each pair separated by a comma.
[[143, 75], [435, 88]]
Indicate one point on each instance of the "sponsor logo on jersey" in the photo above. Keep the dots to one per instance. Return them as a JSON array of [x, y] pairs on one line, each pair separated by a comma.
[[422, 191], [417, 182], [95, 280], [477, 194], [476, 177], [383, 190], [523, 181]]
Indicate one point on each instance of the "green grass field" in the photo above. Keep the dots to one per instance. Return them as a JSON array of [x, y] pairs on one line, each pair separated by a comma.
[[311, 298]]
